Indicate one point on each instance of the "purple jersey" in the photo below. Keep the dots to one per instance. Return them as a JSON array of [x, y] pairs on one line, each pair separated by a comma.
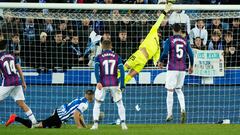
[[177, 48], [8, 69], [108, 62]]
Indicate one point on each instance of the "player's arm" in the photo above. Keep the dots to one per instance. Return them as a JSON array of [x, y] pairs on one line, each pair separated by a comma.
[[19, 69], [97, 73], [191, 57], [164, 54], [122, 74], [78, 115], [79, 120], [18, 50], [161, 17]]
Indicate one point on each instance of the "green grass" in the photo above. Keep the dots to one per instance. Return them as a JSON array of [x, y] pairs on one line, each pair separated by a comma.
[[168, 129]]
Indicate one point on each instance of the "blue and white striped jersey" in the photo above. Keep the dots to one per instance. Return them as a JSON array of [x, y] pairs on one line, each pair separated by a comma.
[[66, 111]]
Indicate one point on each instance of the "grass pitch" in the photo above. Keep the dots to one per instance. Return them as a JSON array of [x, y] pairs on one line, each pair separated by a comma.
[[167, 129]]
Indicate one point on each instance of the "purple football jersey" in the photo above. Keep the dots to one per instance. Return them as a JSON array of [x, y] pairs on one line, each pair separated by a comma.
[[177, 53], [8, 70], [109, 62]]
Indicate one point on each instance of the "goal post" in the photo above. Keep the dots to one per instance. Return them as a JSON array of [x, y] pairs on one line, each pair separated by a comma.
[[58, 43]]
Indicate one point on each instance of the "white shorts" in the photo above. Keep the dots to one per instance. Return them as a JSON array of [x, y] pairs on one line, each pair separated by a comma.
[[174, 79], [16, 92], [116, 93]]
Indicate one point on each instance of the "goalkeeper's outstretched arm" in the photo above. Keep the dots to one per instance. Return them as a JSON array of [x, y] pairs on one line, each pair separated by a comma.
[[161, 17]]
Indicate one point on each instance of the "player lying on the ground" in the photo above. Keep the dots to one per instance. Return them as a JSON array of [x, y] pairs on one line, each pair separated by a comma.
[[11, 84], [149, 48], [73, 109], [106, 70], [176, 49]]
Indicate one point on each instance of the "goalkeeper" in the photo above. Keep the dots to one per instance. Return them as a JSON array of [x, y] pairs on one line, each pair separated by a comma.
[[149, 48]]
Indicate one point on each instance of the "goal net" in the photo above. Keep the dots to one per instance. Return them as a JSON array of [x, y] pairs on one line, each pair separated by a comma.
[[57, 47]]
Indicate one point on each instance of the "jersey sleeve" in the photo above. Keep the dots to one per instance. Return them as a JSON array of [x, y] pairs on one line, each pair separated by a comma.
[[82, 107], [121, 68], [157, 24], [16, 60], [97, 67], [165, 50], [190, 53]]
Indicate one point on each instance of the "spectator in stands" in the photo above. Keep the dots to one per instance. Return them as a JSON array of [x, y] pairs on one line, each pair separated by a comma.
[[75, 51], [114, 24], [29, 36], [59, 52], [29, 29], [11, 25], [182, 18], [85, 30], [199, 31], [42, 53], [217, 24], [231, 52], [215, 42], [62, 26], [14, 46], [123, 46], [235, 28], [198, 44], [48, 26]]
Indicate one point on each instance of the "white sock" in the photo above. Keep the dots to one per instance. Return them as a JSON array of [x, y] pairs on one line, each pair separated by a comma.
[[121, 111], [31, 116], [169, 102], [181, 99], [96, 111]]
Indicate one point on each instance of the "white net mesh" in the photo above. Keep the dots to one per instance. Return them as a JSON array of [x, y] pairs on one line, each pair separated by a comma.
[[55, 49]]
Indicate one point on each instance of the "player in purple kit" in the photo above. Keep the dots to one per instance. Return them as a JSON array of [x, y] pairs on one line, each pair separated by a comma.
[[176, 48], [106, 71], [11, 84]]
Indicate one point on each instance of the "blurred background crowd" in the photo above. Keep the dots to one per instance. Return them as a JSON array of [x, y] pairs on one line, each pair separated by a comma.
[[51, 44]]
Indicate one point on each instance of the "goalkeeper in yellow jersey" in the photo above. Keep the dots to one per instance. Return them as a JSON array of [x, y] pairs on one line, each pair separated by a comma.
[[149, 48]]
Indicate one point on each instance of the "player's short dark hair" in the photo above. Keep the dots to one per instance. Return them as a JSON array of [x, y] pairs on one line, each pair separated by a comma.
[[176, 27], [74, 34], [3, 45], [198, 20], [229, 33], [89, 92], [58, 32], [15, 35], [106, 44]]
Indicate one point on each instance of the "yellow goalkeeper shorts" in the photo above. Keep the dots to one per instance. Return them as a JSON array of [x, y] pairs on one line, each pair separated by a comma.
[[137, 61]]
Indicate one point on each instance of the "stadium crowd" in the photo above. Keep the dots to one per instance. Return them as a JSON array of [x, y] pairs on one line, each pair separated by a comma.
[[48, 44]]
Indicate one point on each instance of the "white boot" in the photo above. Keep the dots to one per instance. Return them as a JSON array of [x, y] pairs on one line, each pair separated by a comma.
[[94, 127], [124, 126]]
